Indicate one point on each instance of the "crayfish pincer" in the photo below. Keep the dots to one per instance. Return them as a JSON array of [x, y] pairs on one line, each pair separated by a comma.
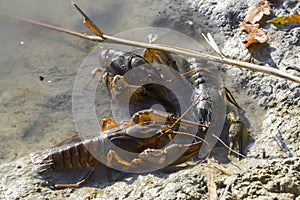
[[140, 135]]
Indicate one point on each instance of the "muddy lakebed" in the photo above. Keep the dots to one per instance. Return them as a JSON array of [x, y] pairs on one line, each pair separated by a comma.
[[37, 114]]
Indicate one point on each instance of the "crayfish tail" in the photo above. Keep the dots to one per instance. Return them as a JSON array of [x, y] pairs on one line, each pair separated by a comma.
[[42, 161]]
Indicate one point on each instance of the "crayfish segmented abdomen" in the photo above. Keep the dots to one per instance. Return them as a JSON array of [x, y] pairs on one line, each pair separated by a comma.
[[201, 96], [91, 152], [76, 156]]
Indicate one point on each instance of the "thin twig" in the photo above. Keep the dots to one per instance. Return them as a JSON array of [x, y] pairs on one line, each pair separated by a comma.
[[210, 175], [228, 182], [180, 118], [228, 146], [82, 35], [168, 48]]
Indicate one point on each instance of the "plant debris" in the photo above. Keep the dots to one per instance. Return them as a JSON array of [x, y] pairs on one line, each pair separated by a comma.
[[250, 23], [257, 11], [291, 19], [255, 34]]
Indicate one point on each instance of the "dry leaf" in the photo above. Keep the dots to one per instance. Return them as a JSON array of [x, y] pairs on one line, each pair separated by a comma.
[[292, 19], [259, 37], [93, 28], [257, 11], [86, 21], [256, 34], [248, 28]]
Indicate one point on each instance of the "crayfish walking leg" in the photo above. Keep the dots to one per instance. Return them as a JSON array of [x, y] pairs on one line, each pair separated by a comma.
[[84, 180]]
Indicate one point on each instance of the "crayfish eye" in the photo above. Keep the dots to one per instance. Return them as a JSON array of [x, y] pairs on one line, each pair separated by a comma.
[[172, 117]]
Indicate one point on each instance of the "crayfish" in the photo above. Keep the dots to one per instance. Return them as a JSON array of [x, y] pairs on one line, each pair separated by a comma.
[[139, 135]]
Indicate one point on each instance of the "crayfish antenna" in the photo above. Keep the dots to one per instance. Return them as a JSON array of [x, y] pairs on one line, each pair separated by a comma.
[[94, 73], [230, 98]]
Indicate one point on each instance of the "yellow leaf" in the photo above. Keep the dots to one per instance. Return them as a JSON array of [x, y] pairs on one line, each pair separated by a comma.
[[292, 19]]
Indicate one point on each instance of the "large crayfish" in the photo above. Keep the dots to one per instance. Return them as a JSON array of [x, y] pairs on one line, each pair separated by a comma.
[[148, 133], [139, 135]]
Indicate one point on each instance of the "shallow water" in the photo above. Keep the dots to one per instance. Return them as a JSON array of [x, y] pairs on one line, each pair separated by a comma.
[[37, 114]]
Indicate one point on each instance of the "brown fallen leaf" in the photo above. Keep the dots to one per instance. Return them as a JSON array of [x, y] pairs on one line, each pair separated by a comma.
[[292, 19], [256, 12], [255, 34], [86, 21], [248, 28], [259, 37]]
